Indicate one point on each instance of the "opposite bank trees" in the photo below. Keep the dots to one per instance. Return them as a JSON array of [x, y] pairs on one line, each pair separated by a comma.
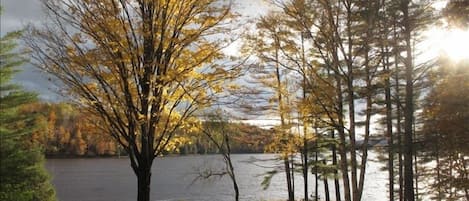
[[143, 66]]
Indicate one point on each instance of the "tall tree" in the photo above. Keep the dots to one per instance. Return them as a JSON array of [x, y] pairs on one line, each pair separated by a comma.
[[267, 44], [143, 66], [22, 172], [445, 131]]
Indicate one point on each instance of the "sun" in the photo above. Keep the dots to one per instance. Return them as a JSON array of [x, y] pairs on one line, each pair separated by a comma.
[[451, 43], [456, 44]]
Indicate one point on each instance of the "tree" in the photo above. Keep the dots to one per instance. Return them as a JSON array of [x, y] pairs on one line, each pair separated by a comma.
[[220, 132], [22, 172], [445, 130], [274, 77], [143, 66], [457, 13]]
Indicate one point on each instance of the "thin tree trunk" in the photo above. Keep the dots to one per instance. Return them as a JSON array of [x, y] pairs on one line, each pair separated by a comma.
[[316, 174], [326, 189], [305, 167], [416, 175], [292, 172], [342, 145], [340, 106], [369, 104], [409, 107], [400, 161], [398, 118], [351, 99], [326, 184], [286, 162], [366, 138], [233, 179], [230, 165], [305, 129], [388, 102], [334, 162], [389, 134]]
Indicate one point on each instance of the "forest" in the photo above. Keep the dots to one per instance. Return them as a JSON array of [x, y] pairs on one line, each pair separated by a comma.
[[339, 79], [64, 131]]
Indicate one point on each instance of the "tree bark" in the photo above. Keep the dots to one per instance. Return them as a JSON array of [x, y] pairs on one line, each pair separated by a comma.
[[291, 195], [349, 78], [409, 107], [398, 116], [326, 184], [389, 134], [342, 144], [286, 162], [143, 180], [334, 162], [230, 165], [316, 173], [233, 179]]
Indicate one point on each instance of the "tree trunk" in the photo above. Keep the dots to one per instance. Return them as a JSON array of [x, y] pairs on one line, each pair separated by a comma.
[[143, 180], [409, 108], [342, 144], [398, 118], [351, 103], [233, 179], [389, 134], [305, 167], [326, 184], [316, 174], [231, 171], [286, 162], [291, 195], [416, 174], [334, 162], [292, 172], [305, 128]]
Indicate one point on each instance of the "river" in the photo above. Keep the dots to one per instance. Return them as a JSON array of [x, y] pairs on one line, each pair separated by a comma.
[[111, 179]]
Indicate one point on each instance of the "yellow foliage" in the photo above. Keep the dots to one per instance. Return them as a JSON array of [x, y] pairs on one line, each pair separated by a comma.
[[137, 68]]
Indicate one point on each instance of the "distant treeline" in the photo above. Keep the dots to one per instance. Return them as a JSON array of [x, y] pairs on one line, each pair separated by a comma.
[[65, 131]]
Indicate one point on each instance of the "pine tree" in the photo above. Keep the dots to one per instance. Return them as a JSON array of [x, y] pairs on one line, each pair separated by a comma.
[[446, 111], [22, 173]]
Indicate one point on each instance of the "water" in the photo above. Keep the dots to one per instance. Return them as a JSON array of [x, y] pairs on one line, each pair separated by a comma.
[[111, 179]]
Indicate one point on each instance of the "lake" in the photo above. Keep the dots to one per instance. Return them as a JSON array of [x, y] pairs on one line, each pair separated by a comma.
[[111, 179]]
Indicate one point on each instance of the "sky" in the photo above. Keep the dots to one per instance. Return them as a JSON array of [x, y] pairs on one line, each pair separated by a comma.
[[17, 14]]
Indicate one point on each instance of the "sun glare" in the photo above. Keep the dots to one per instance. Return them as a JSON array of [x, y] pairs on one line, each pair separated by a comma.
[[452, 43]]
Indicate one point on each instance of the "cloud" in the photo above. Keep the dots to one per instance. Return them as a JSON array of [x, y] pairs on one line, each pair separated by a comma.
[[18, 13]]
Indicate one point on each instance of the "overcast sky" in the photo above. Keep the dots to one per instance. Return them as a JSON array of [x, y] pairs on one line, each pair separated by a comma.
[[19, 13], [16, 15]]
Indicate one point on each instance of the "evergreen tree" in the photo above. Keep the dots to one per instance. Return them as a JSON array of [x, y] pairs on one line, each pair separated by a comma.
[[22, 173], [445, 129]]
